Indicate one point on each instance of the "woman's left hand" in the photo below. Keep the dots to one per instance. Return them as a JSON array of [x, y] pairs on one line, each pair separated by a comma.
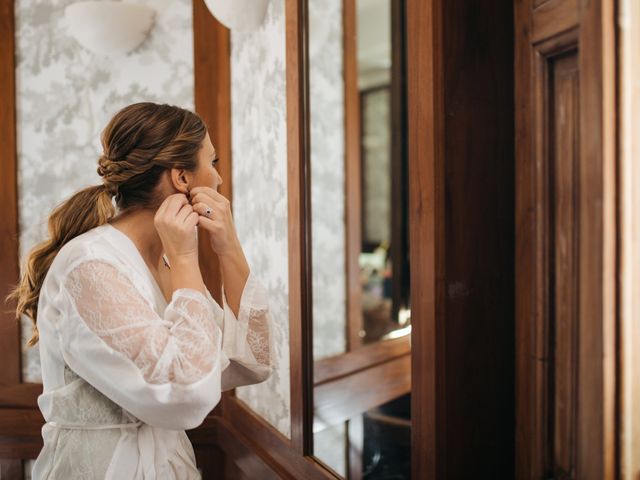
[[216, 218]]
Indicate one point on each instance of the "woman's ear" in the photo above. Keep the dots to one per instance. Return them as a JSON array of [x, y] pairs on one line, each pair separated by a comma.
[[180, 180]]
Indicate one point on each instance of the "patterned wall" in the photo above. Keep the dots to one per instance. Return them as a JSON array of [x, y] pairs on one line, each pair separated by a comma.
[[260, 189], [66, 95], [326, 91]]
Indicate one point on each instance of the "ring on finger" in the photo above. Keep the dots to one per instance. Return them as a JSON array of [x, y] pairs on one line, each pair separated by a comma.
[[207, 213]]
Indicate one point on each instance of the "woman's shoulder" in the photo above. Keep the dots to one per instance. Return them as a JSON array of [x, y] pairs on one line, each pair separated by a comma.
[[91, 245]]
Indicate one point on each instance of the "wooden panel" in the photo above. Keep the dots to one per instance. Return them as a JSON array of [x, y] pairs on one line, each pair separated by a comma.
[[341, 399], [596, 432], [566, 232], [554, 17], [478, 312], [563, 254], [460, 80], [20, 395], [629, 103]]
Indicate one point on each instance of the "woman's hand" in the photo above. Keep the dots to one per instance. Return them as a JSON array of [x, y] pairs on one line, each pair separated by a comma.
[[218, 222], [175, 222]]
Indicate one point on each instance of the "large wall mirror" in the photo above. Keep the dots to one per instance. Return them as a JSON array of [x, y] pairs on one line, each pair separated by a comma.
[[359, 248]]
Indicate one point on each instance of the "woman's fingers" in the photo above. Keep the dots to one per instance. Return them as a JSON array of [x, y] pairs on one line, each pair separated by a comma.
[[175, 221], [183, 213], [192, 220], [173, 203]]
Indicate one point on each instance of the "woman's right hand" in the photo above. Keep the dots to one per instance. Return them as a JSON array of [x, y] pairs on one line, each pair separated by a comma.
[[176, 223]]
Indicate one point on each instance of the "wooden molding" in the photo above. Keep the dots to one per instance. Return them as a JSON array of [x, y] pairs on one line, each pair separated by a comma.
[[426, 233], [566, 245], [273, 447], [10, 374], [299, 229], [353, 176]]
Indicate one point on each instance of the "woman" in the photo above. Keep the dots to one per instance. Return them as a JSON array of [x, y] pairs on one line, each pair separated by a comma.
[[134, 349]]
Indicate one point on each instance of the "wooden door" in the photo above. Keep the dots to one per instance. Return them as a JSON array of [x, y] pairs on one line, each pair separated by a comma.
[[565, 239]]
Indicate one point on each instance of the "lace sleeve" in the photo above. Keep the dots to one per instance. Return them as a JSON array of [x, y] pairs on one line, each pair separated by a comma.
[[247, 340], [180, 349]]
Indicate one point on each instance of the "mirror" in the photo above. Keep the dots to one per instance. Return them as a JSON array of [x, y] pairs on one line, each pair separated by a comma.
[[360, 268]]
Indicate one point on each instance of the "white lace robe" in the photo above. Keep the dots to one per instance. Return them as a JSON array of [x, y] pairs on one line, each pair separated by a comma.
[[125, 373]]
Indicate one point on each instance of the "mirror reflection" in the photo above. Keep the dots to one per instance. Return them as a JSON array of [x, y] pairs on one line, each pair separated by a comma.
[[359, 188]]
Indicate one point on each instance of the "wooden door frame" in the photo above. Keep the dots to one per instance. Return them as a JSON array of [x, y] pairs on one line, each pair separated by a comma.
[[591, 29]]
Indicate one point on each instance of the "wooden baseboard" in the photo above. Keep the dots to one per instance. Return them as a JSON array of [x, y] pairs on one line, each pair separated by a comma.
[[232, 443]]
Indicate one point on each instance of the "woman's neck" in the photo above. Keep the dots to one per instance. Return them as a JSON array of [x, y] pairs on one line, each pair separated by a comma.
[[139, 227]]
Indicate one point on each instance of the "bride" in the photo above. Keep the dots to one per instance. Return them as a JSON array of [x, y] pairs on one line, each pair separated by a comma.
[[134, 350]]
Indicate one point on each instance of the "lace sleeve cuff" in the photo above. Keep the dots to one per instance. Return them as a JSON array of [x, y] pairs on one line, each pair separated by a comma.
[[246, 338]]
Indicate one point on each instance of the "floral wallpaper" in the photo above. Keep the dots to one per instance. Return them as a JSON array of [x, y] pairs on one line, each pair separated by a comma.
[[326, 91], [65, 95], [259, 143]]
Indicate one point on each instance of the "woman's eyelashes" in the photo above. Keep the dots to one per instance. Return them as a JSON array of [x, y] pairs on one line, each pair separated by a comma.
[[215, 161]]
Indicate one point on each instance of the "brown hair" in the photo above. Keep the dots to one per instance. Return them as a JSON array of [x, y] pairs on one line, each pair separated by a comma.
[[139, 143]]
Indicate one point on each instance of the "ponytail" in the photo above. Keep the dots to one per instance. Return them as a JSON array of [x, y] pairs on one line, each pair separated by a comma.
[[85, 210]]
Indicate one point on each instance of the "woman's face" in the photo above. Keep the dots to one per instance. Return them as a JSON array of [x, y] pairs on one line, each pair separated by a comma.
[[206, 174]]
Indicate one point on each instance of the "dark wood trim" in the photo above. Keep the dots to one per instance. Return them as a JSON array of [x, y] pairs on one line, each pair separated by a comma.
[[399, 248], [299, 214], [274, 448], [596, 430], [332, 368], [9, 251], [560, 27], [353, 175], [426, 234], [526, 458], [11, 372]]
